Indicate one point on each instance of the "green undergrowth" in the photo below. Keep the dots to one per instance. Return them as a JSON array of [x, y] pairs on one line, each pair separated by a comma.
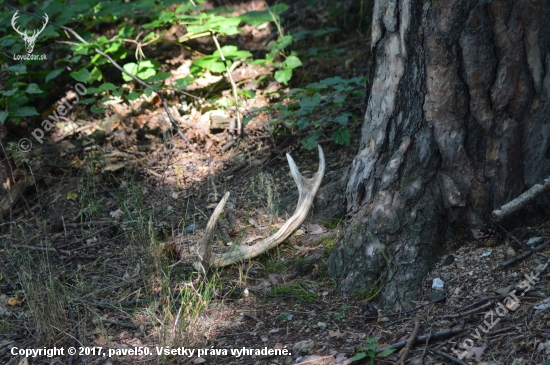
[[296, 290]]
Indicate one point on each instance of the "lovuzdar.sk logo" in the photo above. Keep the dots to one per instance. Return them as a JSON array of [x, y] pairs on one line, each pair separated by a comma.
[[29, 40]]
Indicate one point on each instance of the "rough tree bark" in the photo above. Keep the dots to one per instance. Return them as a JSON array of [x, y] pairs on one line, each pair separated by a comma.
[[456, 125]]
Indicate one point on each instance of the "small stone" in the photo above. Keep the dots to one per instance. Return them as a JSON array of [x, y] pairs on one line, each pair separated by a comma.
[[437, 284], [448, 261], [504, 291], [534, 240], [322, 325], [436, 296], [303, 347], [191, 228]]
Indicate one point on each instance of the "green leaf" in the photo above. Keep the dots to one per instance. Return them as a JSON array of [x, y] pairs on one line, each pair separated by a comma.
[[3, 116], [132, 96], [233, 52], [341, 136], [71, 196], [107, 86], [339, 99], [310, 142], [292, 62], [388, 352], [33, 89], [52, 75], [342, 119], [96, 109], [159, 77], [131, 68], [358, 357], [303, 122], [263, 16], [249, 94], [22, 69], [214, 64], [332, 81], [81, 75], [184, 82], [81, 49], [310, 103], [283, 76], [281, 43], [26, 111], [146, 64], [87, 101], [9, 93], [92, 90], [247, 120], [113, 47], [315, 86]]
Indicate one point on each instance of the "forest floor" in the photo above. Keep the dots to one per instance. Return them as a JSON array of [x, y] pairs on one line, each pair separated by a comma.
[[93, 256]]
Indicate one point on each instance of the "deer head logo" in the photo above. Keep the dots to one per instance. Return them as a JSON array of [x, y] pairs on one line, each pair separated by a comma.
[[29, 40]]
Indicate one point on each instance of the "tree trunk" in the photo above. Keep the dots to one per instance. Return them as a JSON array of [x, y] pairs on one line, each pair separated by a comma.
[[456, 125]]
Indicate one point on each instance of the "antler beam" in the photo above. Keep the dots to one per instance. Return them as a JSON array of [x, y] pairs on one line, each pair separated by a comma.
[[307, 188]]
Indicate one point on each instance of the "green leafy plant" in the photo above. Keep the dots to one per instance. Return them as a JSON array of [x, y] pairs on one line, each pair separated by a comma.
[[370, 351], [215, 62], [21, 85], [343, 310], [321, 107]]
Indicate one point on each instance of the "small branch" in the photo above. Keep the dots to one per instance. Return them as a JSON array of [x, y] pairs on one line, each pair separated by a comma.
[[522, 200], [525, 254], [251, 316], [522, 244], [458, 315], [436, 336], [425, 347], [52, 249], [410, 343], [233, 85], [448, 357]]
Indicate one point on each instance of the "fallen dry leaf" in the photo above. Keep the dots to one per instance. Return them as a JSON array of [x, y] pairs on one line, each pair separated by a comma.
[[336, 334], [315, 229], [14, 302]]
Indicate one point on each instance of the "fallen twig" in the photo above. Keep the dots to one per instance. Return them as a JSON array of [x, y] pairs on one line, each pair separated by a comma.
[[525, 254], [410, 343], [52, 249], [478, 309], [71, 358], [436, 336], [251, 316], [522, 200], [425, 347], [448, 357], [233, 86]]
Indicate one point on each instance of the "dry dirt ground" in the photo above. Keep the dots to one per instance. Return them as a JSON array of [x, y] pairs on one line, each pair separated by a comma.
[[93, 253]]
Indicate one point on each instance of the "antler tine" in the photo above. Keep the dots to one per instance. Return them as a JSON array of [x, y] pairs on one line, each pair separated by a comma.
[[44, 23], [205, 245], [13, 19], [307, 188]]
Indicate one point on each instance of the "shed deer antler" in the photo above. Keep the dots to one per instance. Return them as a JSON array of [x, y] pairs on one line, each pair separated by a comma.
[[307, 188]]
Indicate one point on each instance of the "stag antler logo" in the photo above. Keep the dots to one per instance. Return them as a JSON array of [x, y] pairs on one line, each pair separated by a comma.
[[29, 40]]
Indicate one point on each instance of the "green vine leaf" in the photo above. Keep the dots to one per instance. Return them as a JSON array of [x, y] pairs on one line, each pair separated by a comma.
[[81, 75]]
